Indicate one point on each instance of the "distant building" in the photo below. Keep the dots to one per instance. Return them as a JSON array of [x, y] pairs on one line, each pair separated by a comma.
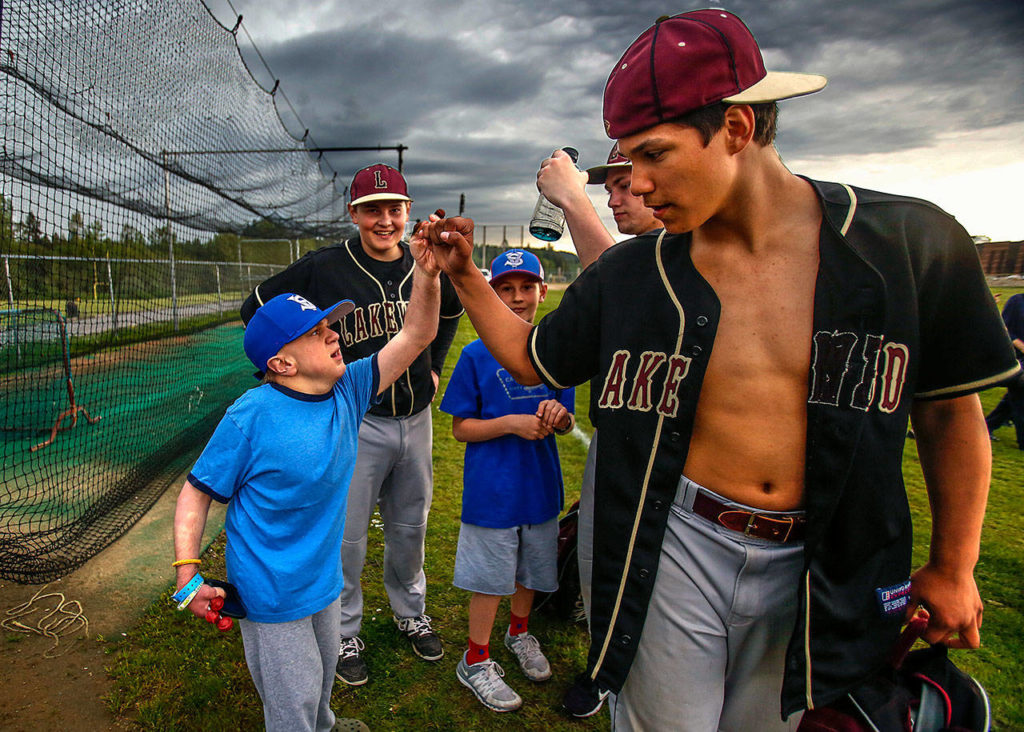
[[1002, 257]]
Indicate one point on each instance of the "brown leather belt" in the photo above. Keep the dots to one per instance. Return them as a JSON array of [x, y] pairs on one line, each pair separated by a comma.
[[774, 527]]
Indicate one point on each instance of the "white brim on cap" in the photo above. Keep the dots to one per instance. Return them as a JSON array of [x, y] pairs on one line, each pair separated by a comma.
[[381, 197], [599, 173], [778, 85]]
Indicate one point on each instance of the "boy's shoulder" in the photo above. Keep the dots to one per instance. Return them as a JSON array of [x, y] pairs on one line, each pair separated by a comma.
[[250, 403], [475, 348]]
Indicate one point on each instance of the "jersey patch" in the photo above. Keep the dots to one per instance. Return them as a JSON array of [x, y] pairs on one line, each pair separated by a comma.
[[893, 600]]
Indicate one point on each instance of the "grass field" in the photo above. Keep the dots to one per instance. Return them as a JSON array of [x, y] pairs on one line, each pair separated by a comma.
[[173, 672]]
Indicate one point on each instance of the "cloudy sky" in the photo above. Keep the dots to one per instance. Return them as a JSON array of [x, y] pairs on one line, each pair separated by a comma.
[[925, 97]]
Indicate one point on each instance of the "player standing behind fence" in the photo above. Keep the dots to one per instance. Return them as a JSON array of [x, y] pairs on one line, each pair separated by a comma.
[[393, 469], [512, 491], [281, 458]]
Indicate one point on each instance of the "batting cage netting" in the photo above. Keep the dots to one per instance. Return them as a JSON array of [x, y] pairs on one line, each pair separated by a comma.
[[147, 182]]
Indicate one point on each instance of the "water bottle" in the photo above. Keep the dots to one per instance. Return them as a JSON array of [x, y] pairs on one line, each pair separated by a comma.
[[548, 221]]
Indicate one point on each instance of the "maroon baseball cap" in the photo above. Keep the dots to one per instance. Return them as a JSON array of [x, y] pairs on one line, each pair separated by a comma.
[[599, 173], [378, 183], [687, 62]]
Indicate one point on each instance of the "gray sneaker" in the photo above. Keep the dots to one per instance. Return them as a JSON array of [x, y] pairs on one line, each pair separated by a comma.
[[484, 679], [531, 660]]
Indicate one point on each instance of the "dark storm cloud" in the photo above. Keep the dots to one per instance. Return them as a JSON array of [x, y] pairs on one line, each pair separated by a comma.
[[481, 91], [360, 86]]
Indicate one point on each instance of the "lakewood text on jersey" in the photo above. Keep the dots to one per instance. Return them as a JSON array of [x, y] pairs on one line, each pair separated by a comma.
[[845, 368], [373, 321]]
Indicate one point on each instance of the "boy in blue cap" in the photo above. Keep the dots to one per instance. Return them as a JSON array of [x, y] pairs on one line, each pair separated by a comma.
[[282, 458], [512, 491]]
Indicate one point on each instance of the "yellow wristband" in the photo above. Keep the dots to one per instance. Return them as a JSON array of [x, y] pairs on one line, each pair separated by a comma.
[[183, 562]]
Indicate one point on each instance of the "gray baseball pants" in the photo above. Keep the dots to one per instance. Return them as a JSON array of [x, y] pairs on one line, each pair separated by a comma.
[[292, 665], [393, 470], [585, 525], [712, 651]]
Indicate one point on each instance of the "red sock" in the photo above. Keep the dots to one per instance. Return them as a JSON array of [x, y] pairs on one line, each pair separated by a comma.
[[477, 652], [516, 624]]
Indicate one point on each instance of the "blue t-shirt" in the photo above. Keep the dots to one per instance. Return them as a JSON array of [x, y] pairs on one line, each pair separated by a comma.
[[508, 481], [283, 461]]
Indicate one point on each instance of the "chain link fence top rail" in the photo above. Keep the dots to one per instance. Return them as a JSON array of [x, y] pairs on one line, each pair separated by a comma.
[[122, 258]]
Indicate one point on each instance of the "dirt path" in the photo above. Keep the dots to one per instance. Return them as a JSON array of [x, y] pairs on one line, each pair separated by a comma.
[[114, 587]]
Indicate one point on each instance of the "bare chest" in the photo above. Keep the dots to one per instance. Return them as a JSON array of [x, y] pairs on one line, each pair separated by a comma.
[[767, 315]]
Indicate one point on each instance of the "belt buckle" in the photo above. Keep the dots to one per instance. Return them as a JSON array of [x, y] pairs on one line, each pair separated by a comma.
[[789, 520]]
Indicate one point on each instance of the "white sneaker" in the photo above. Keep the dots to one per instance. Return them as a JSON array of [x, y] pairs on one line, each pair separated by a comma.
[[484, 679], [531, 660]]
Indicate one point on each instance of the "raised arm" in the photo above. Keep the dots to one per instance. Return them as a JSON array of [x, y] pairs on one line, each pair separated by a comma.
[[956, 459], [565, 186], [420, 324], [506, 335]]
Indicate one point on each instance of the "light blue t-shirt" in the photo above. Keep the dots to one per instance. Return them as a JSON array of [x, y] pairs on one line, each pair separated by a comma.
[[283, 460], [508, 481]]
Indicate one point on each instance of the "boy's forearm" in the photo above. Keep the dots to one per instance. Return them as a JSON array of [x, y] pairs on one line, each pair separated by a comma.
[[424, 309], [505, 334], [189, 524], [418, 328], [469, 429], [589, 235], [442, 343], [956, 461]]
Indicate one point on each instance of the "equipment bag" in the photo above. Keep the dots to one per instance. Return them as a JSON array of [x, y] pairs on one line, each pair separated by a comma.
[[922, 691]]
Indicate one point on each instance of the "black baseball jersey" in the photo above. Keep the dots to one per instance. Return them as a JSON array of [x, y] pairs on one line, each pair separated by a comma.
[[380, 291], [901, 312]]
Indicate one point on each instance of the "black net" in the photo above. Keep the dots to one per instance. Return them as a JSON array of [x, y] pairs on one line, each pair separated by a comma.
[[147, 183]]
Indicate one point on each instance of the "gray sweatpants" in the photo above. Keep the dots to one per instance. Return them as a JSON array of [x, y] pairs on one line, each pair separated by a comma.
[[292, 665], [393, 469], [712, 651]]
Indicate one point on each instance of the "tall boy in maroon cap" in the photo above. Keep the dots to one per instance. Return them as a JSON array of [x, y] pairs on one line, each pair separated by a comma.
[[759, 365], [393, 468]]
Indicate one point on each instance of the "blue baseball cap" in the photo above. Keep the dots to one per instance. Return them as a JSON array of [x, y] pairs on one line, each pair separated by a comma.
[[281, 320], [516, 261]]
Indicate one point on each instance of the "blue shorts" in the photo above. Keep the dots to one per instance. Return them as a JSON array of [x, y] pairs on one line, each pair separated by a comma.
[[492, 561]]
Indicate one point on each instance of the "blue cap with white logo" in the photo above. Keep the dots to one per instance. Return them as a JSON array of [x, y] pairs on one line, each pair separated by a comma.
[[516, 261], [281, 320]]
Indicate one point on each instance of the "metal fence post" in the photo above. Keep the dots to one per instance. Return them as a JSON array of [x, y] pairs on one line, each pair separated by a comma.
[[10, 287], [220, 303], [170, 238], [110, 289]]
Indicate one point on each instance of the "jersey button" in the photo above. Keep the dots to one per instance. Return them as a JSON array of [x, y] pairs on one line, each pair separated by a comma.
[[658, 504], [625, 639], [696, 351], [643, 574], [702, 320], [390, 283]]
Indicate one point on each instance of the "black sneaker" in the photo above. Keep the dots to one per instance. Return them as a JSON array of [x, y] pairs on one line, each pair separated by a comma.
[[351, 668], [425, 642], [584, 698]]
